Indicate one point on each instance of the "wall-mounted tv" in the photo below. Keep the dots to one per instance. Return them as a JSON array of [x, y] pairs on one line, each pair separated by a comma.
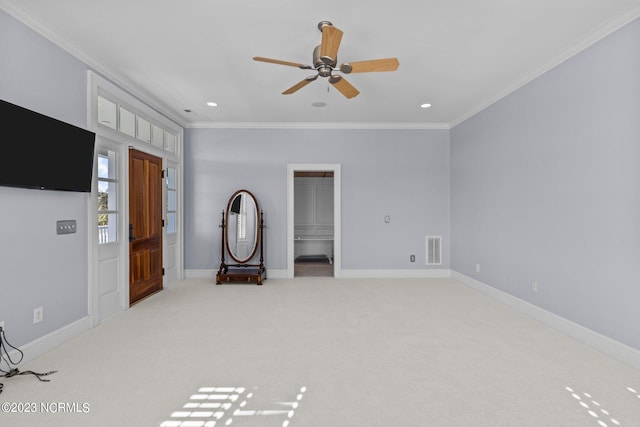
[[42, 152]]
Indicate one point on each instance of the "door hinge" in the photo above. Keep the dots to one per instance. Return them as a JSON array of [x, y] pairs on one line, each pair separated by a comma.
[[163, 271], [162, 173], [163, 223]]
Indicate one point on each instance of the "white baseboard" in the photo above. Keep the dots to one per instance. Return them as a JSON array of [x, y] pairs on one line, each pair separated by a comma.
[[609, 346], [200, 274], [276, 273], [52, 340], [397, 274], [349, 274], [211, 274]]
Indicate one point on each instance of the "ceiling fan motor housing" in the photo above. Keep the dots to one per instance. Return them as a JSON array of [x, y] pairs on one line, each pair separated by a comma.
[[323, 64]]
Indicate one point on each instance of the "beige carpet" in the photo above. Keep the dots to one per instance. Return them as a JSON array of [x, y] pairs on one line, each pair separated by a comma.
[[328, 353]]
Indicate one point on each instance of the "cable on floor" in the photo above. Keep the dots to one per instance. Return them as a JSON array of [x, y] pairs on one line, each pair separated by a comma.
[[5, 357]]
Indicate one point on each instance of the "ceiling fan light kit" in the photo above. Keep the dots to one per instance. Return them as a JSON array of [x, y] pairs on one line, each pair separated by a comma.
[[325, 63]]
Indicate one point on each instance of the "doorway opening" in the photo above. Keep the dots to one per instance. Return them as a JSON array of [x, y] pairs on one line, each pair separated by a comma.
[[313, 223], [313, 220]]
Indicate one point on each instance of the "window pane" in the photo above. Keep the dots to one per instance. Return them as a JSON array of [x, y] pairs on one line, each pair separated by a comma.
[[171, 178], [170, 142], [171, 222], [107, 228], [144, 130], [107, 196], [158, 136], [106, 112], [127, 122], [171, 200], [103, 167], [107, 164]]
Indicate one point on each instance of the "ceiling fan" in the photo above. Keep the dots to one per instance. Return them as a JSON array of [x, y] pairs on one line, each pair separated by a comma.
[[325, 62]]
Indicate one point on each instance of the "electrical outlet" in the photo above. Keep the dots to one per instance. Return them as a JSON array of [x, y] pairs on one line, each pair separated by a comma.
[[477, 268], [38, 314], [412, 258], [534, 287]]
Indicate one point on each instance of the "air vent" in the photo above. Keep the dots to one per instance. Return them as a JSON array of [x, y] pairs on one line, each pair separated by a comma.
[[434, 250]]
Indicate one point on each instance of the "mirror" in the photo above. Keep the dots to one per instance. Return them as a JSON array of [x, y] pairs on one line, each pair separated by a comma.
[[242, 226]]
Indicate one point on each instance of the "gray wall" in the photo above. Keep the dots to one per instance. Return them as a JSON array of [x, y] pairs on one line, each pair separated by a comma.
[[401, 173], [546, 188], [38, 267]]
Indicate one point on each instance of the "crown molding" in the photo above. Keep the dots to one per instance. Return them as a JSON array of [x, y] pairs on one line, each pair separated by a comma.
[[598, 34], [13, 8], [318, 125]]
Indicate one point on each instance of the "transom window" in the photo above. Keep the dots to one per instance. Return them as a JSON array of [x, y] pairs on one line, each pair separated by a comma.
[[119, 118]]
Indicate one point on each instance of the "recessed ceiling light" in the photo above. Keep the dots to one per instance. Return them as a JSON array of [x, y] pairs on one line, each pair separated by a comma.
[[319, 104], [212, 104], [425, 105]]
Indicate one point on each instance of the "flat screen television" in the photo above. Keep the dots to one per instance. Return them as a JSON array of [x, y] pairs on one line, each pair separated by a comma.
[[44, 153]]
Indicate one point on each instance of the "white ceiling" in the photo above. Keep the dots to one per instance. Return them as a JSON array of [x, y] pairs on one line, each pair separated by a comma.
[[458, 55]]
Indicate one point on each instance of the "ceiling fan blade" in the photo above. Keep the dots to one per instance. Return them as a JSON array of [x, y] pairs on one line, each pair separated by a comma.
[[278, 61], [386, 64], [299, 85], [331, 38], [344, 86]]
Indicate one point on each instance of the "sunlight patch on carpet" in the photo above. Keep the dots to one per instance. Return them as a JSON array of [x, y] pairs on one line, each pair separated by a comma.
[[224, 406], [601, 415]]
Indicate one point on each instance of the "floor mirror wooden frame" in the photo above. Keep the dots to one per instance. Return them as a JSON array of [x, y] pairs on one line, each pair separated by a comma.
[[242, 240]]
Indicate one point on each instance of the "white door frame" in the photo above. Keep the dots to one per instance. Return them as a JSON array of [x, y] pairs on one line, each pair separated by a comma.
[[109, 270], [117, 252], [337, 210]]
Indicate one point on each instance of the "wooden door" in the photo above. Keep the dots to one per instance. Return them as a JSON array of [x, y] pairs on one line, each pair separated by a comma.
[[145, 225]]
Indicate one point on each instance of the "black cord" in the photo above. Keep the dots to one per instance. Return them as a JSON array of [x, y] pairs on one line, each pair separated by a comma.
[[4, 353], [6, 358]]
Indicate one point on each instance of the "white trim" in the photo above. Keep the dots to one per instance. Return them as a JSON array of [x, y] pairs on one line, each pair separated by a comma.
[[278, 273], [314, 125], [38, 25], [337, 213], [597, 35], [609, 346], [92, 214], [110, 91], [98, 85], [48, 342], [211, 274], [42, 28], [201, 274], [436, 273], [347, 274]]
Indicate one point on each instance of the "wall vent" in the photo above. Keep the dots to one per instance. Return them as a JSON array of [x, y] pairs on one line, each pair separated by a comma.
[[434, 250]]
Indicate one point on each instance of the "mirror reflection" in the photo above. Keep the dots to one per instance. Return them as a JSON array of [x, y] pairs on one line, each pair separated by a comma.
[[242, 226]]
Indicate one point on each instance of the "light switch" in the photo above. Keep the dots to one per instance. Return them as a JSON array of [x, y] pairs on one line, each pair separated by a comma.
[[67, 226]]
